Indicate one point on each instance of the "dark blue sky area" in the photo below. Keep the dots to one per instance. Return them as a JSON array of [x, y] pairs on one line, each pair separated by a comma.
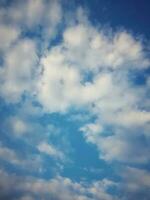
[[133, 15]]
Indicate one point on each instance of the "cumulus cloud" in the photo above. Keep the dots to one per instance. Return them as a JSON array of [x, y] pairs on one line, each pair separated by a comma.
[[8, 154], [18, 126], [137, 183], [8, 35], [16, 187], [17, 72], [33, 13], [13, 157], [125, 145], [65, 78], [50, 150], [20, 53], [108, 93], [92, 132], [89, 68], [101, 50]]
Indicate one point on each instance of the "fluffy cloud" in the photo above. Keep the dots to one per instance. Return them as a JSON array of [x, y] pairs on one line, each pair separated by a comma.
[[17, 72], [18, 188], [30, 163], [92, 132], [19, 54], [18, 126], [101, 50], [137, 184], [75, 74], [60, 84], [7, 154], [33, 13], [50, 150], [89, 68], [108, 94], [125, 145], [8, 35]]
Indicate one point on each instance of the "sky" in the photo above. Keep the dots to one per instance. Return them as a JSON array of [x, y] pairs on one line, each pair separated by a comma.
[[74, 100]]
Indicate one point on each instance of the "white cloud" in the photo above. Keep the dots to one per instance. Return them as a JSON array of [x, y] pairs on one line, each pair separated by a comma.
[[50, 150], [30, 14], [58, 84], [17, 73], [130, 118], [136, 178], [124, 145], [18, 126], [136, 183], [8, 35], [100, 50], [13, 186], [62, 82], [9, 155], [92, 132], [76, 36], [88, 69], [84, 48], [29, 163]]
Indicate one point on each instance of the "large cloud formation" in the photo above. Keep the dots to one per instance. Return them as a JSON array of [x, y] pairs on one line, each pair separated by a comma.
[[59, 188], [79, 66]]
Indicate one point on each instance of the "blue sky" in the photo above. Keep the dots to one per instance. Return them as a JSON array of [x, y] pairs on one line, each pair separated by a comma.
[[74, 100]]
